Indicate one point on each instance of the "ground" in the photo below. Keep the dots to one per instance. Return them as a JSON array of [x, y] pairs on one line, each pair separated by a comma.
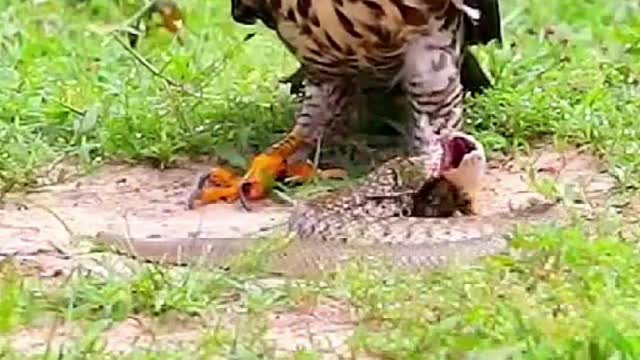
[[91, 133]]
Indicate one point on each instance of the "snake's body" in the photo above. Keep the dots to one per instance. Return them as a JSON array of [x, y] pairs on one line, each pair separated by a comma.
[[402, 212]]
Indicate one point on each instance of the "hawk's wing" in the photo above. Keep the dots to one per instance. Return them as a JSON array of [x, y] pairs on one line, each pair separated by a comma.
[[488, 28]]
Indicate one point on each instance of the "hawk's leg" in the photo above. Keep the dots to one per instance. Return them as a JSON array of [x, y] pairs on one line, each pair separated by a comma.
[[325, 103], [431, 80]]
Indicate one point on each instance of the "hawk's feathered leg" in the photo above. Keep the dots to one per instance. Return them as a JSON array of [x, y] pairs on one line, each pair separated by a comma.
[[325, 104], [419, 48]]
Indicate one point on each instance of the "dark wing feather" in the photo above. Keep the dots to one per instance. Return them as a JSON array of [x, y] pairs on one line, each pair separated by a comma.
[[474, 80], [489, 27]]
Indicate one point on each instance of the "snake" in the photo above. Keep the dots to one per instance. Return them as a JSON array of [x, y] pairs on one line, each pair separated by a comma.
[[413, 212]]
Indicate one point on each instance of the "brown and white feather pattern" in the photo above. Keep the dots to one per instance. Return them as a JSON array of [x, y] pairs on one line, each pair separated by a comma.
[[346, 45], [339, 37]]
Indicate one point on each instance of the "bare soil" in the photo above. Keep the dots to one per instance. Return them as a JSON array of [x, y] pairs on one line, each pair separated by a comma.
[[36, 230]]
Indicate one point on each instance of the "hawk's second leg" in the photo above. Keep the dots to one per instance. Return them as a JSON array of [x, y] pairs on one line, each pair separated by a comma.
[[324, 102], [434, 91], [431, 80]]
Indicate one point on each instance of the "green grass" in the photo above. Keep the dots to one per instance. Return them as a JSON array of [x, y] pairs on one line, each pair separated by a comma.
[[569, 299], [568, 73], [96, 301]]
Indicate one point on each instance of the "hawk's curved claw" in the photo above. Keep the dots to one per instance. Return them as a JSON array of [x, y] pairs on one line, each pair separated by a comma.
[[214, 194], [193, 197], [245, 189], [202, 181], [222, 185], [221, 177], [218, 185], [197, 191], [299, 173]]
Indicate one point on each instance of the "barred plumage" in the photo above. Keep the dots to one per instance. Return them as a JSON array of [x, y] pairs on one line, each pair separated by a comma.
[[349, 43], [348, 46]]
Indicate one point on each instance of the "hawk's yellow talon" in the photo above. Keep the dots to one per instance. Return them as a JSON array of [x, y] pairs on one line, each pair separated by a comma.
[[299, 172]]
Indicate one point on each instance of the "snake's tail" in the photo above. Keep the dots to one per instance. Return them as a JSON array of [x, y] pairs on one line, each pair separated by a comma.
[[176, 251]]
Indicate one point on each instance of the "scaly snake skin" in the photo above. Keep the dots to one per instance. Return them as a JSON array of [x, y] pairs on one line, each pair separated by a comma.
[[403, 212]]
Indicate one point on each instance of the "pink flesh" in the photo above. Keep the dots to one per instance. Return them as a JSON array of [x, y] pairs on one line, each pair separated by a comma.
[[454, 151]]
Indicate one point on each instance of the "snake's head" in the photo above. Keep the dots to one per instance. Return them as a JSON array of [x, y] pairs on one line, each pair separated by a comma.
[[463, 161]]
